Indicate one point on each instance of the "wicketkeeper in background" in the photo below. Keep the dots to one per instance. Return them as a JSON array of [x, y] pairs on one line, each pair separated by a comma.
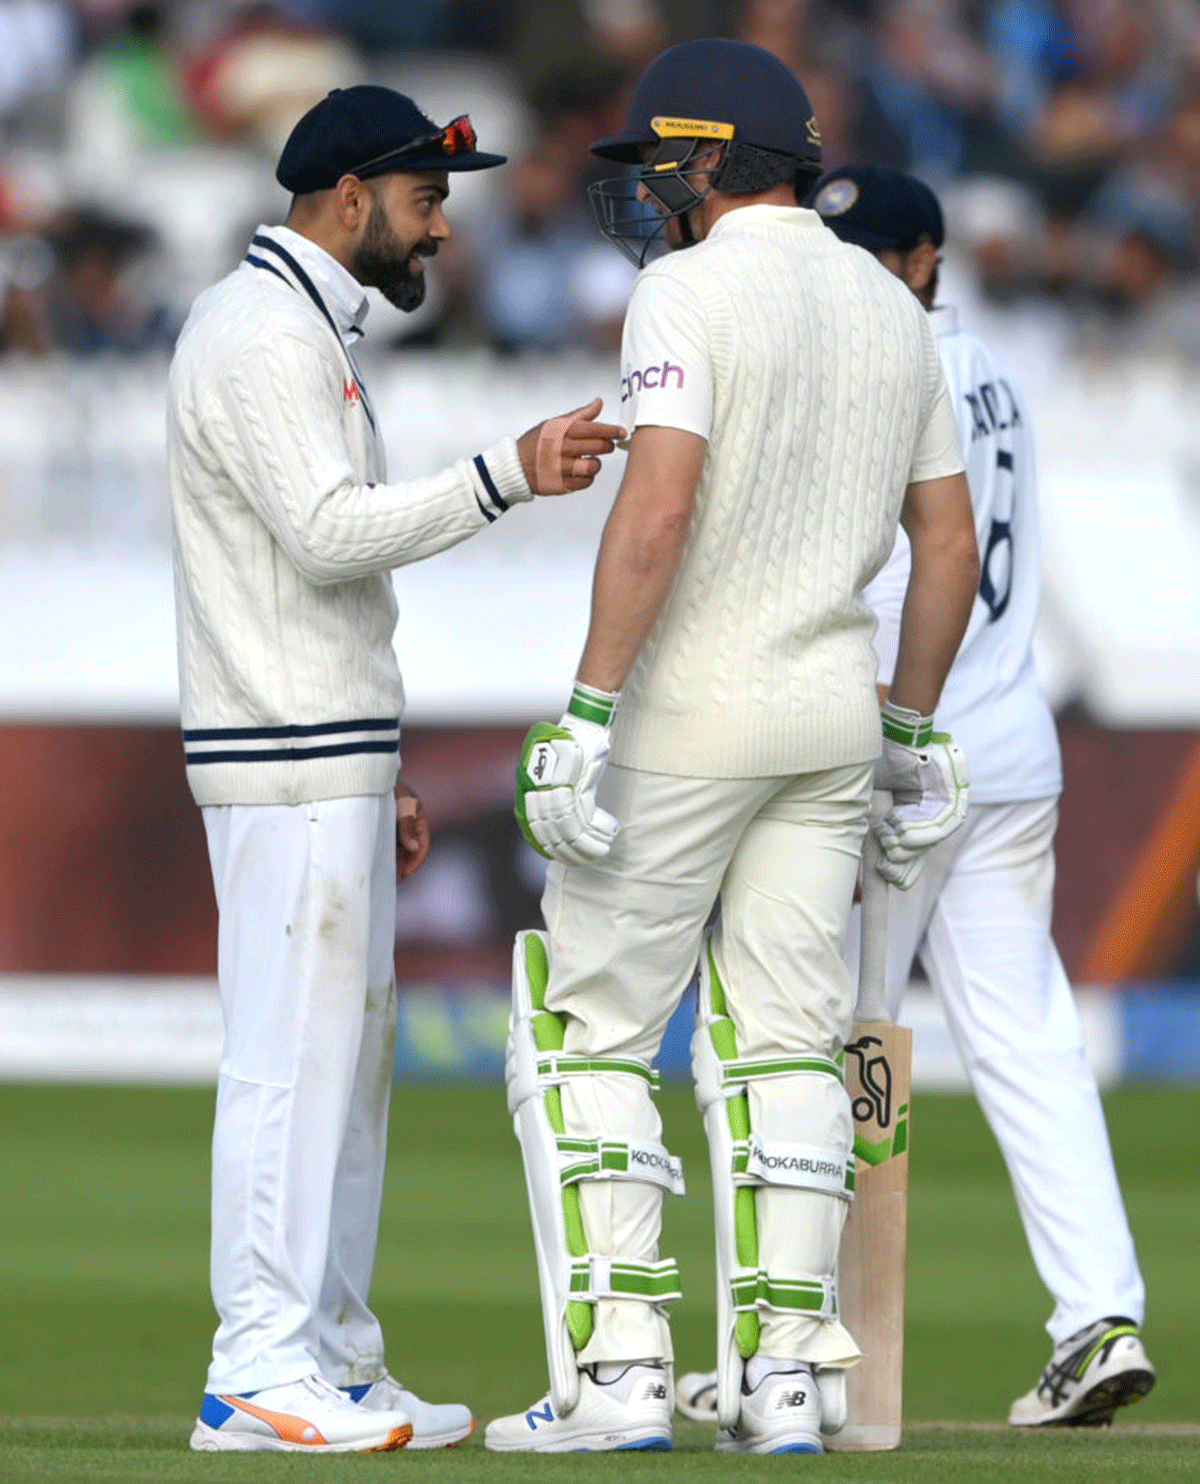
[[721, 744], [284, 533]]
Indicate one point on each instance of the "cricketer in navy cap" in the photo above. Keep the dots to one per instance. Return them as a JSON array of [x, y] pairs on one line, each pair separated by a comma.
[[893, 215], [878, 207], [368, 174]]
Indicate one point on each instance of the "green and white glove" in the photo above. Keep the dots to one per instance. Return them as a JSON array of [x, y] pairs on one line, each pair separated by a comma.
[[927, 775], [557, 778]]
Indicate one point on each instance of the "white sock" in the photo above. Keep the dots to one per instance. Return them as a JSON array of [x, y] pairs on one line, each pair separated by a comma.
[[615, 1372], [759, 1367]]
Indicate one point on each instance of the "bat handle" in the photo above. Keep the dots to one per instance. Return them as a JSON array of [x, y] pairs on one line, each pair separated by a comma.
[[872, 962]]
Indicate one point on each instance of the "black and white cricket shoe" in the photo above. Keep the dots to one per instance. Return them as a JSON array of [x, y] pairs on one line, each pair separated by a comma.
[[1091, 1373]]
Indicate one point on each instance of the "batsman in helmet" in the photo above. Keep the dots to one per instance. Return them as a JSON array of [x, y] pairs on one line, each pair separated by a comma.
[[719, 749]]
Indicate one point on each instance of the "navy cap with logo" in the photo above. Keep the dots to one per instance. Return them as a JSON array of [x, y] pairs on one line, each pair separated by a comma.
[[370, 130], [877, 207]]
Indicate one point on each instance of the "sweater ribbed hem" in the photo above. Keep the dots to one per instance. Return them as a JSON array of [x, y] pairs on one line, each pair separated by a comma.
[[293, 782], [754, 744]]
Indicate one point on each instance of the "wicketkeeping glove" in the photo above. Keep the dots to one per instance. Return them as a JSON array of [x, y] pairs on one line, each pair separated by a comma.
[[557, 778], [927, 775]]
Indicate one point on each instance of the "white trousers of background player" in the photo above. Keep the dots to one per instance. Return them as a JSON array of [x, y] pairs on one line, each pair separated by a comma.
[[978, 918], [625, 938], [307, 899]]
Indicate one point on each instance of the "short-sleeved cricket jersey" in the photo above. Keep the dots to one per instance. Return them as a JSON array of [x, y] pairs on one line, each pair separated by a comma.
[[814, 377]]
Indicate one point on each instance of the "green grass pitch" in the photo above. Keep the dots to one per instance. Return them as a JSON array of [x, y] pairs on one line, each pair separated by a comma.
[[105, 1321]]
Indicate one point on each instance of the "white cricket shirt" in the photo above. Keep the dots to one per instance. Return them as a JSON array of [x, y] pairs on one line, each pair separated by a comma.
[[814, 377], [992, 703]]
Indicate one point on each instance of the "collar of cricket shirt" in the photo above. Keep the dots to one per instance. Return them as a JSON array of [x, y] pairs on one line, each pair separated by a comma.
[[764, 212], [344, 299], [944, 319]]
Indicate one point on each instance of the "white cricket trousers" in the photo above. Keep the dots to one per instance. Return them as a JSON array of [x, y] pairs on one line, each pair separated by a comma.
[[625, 934], [978, 918], [307, 900]]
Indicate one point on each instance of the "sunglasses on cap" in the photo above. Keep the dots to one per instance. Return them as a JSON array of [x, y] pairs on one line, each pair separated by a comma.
[[457, 138]]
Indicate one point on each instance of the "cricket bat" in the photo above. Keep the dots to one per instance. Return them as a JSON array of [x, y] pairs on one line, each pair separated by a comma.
[[872, 1257]]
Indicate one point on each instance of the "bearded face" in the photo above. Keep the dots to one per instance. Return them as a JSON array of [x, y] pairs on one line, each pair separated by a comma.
[[384, 261]]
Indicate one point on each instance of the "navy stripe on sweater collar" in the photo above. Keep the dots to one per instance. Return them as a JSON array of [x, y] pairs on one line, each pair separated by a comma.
[[268, 244]]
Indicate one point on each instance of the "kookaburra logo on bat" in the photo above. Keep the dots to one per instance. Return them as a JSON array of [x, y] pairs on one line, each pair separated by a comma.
[[875, 1076]]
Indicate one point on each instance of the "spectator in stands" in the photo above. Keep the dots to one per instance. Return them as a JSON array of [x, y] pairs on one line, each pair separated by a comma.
[[542, 284], [416, 25], [26, 267], [37, 46], [129, 95], [929, 77], [92, 306], [264, 70]]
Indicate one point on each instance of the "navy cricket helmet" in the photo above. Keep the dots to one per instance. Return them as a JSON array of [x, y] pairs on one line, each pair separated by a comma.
[[697, 97]]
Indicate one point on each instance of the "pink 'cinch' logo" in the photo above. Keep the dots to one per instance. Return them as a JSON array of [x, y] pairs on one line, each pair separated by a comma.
[[652, 378]]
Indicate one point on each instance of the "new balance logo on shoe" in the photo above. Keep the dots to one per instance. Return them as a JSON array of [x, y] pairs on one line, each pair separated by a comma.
[[544, 1413], [790, 1399], [655, 1392]]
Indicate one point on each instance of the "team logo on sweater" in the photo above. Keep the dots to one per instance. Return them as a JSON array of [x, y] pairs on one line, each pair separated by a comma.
[[350, 392]]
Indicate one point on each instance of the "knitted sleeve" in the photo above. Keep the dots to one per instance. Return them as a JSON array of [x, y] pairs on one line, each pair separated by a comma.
[[274, 423], [939, 445], [666, 363]]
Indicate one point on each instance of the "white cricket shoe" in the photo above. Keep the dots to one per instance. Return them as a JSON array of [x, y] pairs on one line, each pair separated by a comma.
[[308, 1416], [782, 1414], [433, 1425], [632, 1412], [696, 1397], [1091, 1374]]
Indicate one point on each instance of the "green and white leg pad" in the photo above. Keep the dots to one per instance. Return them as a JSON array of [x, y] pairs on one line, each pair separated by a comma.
[[571, 1277], [743, 1162]]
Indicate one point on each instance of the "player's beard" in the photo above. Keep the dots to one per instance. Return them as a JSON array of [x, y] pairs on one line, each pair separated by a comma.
[[383, 262]]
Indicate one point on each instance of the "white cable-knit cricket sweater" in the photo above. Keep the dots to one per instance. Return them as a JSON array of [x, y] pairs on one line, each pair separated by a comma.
[[827, 399], [285, 531]]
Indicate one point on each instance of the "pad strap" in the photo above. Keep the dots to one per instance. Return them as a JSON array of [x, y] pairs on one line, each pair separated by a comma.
[[801, 1166], [735, 1074], [619, 1159], [594, 1277], [797, 1293], [554, 1068]]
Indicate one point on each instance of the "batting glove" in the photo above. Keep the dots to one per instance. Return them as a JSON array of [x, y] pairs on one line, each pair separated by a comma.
[[557, 777], [927, 775]]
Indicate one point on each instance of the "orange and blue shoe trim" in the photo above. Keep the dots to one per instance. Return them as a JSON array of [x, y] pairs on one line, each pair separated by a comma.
[[215, 1411]]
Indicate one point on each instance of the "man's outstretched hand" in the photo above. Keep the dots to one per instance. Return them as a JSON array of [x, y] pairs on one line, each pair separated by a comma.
[[564, 453]]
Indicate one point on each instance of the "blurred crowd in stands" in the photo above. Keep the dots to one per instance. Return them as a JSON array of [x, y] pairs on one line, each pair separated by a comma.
[[137, 144]]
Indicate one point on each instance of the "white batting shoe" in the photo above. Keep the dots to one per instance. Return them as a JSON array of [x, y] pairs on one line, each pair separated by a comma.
[[434, 1425], [696, 1397], [631, 1413], [308, 1416], [782, 1414], [1091, 1374]]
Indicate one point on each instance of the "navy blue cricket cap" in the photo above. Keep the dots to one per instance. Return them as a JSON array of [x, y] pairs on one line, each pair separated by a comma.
[[877, 207], [367, 131]]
